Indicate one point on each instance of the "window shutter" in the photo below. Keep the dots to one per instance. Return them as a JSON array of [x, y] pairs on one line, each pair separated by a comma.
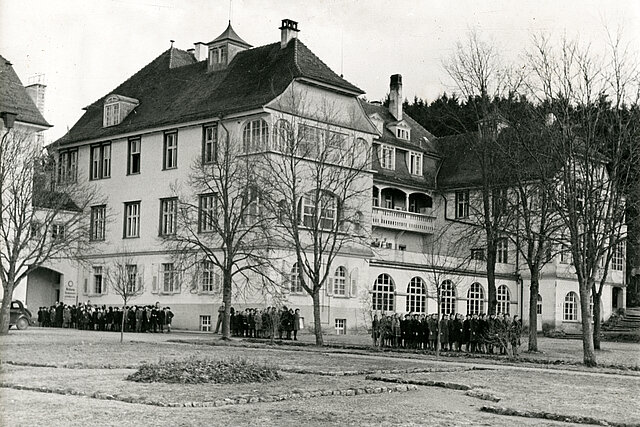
[[105, 281], [177, 286], [353, 283], [154, 279], [329, 286], [284, 277], [139, 285], [85, 287], [196, 282]]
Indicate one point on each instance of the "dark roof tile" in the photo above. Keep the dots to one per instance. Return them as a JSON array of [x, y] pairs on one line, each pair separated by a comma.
[[14, 97]]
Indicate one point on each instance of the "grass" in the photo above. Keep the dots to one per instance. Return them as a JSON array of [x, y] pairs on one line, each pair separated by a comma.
[[197, 371]]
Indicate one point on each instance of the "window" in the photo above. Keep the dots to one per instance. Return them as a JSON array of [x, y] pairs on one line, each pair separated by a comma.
[[168, 216], [503, 297], [169, 278], [565, 256], [205, 323], [207, 213], [341, 326], [416, 296], [462, 204], [111, 114], [321, 212], [210, 144], [255, 135], [223, 54], [68, 166], [502, 246], [617, 258], [170, 157], [383, 293], [100, 166], [477, 254], [210, 277], [475, 299], [131, 219], [539, 305], [415, 163], [283, 137], [57, 231], [98, 283], [402, 133], [133, 163], [253, 207], [132, 278], [340, 281], [295, 285], [97, 227], [570, 312], [447, 297], [499, 201], [387, 157]]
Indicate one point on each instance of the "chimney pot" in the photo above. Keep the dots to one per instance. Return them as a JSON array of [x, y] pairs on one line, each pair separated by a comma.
[[395, 96], [288, 30]]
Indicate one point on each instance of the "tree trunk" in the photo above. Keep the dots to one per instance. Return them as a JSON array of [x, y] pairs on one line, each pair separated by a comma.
[[226, 300], [589, 355], [124, 316], [597, 306], [491, 280], [7, 295], [534, 288], [317, 325], [439, 299]]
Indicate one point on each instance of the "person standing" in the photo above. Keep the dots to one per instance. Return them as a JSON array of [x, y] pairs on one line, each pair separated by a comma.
[[444, 332], [375, 330], [168, 318], [296, 324]]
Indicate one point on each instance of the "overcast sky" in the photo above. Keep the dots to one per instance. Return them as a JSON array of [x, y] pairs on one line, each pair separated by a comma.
[[87, 48]]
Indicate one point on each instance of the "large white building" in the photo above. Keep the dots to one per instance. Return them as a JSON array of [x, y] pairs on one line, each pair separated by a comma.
[[135, 143]]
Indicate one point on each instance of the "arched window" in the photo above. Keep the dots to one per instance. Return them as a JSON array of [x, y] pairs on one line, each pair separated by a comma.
[[475, 299], [383, 293], [504, 297], [416, 296], [539, 306], [570, 311], [283, 139], [319, 210], [295, 285], [340, 281], [447, 297], [255, 135]]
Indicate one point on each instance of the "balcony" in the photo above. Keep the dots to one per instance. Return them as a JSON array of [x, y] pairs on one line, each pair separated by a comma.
[[403, 220]]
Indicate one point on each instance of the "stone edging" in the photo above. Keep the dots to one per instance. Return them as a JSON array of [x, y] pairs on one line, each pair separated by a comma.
[[429, 383], [77, 365], [375, 371], [241, 400], [577, 419]]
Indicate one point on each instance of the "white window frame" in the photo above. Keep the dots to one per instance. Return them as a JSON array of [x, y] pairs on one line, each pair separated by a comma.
[[255, 135], [100, 162], [210, 278], [341, 326], [447, 297], [502, 251], [295, 285], [387, 157], [209, 144], [131, 220], [111, 114], [383, 293], [205, 322], [617, 258], [169, 278], [98, 222], [68, 166], [503, 297], [134, 153], [170, 150], [475, 299], [415, 163], [98, 280], [570, 307], [325, 214], [208, 204], [340, 281], [416, 296], [539, 305], [132, 278], [168, 216], [57, 231], [462, 204]]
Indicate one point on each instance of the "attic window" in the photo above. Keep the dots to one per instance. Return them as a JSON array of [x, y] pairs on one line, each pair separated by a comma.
[[116, 108], [402, 133], [111, 114], [218, 55]]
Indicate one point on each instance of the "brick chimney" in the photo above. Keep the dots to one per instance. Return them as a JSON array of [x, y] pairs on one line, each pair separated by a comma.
[[395, 96], [288, 30], [201, 51]]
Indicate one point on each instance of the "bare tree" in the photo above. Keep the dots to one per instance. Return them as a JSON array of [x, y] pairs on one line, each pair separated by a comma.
[[125, 279], [318, 182], [595, 134], [40, 222], [215, 225]]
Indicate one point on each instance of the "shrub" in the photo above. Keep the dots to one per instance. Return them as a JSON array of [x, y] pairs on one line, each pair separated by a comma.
[[194, 371]]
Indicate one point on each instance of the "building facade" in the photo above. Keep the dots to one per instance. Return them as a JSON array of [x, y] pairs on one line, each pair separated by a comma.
[[137, 144]]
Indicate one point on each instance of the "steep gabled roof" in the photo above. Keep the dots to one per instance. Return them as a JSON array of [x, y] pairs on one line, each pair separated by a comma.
[[14, 97], [172, 95]]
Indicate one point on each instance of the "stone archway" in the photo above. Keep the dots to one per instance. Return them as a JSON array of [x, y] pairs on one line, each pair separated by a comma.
[[43, 288]]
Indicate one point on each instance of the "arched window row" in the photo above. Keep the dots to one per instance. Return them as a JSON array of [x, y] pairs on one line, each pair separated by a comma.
[[416, 296], [475, 299], [503, 297]]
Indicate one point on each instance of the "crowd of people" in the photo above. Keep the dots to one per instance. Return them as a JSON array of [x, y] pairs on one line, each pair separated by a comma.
[[150, 318], [473, 333], [263, 323]]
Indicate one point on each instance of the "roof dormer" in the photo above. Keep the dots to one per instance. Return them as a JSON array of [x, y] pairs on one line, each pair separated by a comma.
[[400, 130], [116, 108], [224, 48]]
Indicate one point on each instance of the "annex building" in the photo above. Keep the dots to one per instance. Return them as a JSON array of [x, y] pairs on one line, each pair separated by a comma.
[[135, 143]]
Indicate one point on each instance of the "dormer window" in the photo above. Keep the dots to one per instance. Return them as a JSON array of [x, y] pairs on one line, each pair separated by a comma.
[[116, 108], [218, 55], [402, 134]]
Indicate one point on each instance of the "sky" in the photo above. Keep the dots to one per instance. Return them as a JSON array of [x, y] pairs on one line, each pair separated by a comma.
[[86, 48]]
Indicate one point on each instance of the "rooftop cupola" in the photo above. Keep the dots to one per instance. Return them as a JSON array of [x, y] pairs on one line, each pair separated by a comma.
[[288, 30], [224, 48]]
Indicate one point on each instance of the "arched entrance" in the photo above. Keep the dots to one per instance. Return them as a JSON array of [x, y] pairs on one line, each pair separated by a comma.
[[43, 288]]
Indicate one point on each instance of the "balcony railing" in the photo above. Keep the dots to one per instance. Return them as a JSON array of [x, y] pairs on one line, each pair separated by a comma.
[[403, 220]]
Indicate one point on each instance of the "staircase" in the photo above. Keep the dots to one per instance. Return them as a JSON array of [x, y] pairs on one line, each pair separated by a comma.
[[630, 322]]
